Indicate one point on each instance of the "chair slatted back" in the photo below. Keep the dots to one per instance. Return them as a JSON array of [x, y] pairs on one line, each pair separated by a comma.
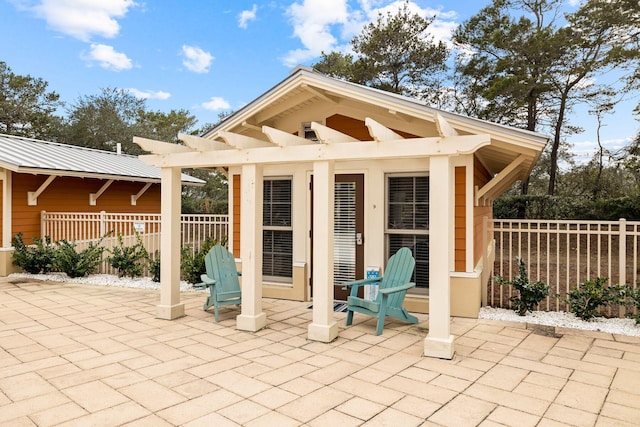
[[398, 272], [221, 265]]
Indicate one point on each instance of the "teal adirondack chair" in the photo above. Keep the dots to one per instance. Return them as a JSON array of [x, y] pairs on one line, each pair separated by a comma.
[[392, 288], [221, 279]]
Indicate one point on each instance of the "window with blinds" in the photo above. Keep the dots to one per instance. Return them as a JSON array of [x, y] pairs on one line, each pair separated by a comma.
[[344, 234], [277, 234], [408, 221]]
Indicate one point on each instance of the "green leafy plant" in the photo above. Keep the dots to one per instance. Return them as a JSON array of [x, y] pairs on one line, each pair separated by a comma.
[[586, 300], [192, 265], [529, 294], [36, 258], [154, 266], [128, 260], [78, 264], [630, 296]]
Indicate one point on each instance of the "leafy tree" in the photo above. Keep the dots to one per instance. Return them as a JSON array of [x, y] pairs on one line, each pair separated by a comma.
[[101, 121], [395, 53], [26, 107], [116, 116], [531, 70], [164, 126]]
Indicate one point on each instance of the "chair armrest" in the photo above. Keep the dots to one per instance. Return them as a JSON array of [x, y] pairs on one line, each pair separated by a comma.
[[372, 281], [395, 289], [206, 280]]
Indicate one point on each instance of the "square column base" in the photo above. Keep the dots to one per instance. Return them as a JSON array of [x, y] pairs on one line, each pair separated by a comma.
[[245, 322], [439, 348], [170, 312], [323, 333]]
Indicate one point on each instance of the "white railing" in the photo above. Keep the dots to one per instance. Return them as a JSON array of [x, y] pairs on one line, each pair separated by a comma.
[[564, 254], [83, 228]]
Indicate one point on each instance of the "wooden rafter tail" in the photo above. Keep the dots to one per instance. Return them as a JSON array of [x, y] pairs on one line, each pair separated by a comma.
[[444, 127]]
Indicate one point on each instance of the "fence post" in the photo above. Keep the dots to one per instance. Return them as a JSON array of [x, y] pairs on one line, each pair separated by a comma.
[[103, 223], [622, 257], [43, 224]]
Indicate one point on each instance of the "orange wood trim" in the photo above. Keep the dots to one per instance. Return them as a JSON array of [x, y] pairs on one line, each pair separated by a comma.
[[460, 220]]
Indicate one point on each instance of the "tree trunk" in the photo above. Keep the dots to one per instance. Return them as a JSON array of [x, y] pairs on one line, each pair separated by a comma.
[[553, 166]]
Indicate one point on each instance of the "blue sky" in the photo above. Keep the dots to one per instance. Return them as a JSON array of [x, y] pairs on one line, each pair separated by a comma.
[[209, 56]]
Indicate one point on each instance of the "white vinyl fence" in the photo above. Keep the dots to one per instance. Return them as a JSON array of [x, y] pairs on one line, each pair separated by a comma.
[[563, 254], [83, 228]]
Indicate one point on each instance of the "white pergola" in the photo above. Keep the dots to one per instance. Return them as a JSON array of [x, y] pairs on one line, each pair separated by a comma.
[[227, 149]]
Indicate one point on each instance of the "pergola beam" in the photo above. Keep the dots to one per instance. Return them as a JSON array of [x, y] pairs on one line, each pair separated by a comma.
[[159, 147], [398, 149], [242, 141], [282, 138], [379, 132], [202, 144], [330, 136]]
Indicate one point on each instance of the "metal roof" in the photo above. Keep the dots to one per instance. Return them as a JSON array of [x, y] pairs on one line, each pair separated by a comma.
[[26, 155]]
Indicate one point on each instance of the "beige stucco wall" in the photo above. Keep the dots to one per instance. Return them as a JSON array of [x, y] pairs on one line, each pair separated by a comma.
[[6, 264]]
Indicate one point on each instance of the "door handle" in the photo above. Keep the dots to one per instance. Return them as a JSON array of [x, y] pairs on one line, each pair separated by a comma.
[[359, 239]]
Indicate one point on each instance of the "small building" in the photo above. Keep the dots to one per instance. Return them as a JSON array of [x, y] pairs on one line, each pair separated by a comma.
[[329, 178], [45, 176]]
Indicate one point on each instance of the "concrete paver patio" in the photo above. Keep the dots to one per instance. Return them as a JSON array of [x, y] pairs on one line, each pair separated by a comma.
[[80, 355]]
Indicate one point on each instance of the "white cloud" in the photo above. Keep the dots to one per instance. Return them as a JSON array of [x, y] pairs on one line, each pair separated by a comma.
[[81, 19], [196, 59], [329, 25], [216, 103], [150, 94], [312, 21], [108, 58], [246, 16]]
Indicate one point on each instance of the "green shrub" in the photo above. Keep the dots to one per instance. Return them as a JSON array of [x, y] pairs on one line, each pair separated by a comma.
[[530, 294], [34, 259], [127, 260], [78, 264], [192, 265], [154, 266], [587, 299], [631, 297]]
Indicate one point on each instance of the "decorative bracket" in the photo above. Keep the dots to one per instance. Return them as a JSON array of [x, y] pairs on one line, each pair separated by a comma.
[[93, 197], [32, 196], [135, 197], [497, 183]]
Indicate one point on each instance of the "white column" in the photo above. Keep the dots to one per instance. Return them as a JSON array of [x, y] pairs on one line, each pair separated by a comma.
[[170, 306], [7, 208], [251, 317], [439, 341], [323, 328]]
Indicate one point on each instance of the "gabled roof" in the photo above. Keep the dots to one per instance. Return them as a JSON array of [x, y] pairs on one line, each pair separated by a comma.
[[268, 131], [26, 155]]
